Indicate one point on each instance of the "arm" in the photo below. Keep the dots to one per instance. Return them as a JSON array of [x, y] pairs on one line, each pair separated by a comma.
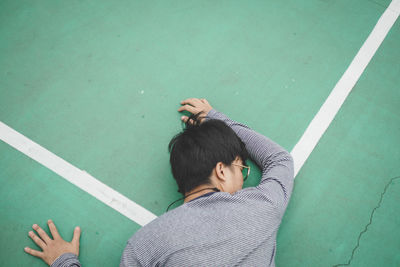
[[275, 162]]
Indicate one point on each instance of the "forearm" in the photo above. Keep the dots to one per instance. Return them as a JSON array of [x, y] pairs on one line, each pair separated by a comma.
[[275, 162], [261, 149]]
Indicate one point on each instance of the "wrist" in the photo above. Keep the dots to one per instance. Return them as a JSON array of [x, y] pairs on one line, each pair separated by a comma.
[[65, 260]]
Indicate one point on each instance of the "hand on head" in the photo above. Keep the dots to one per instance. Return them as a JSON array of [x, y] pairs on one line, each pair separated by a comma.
[[195, 106]]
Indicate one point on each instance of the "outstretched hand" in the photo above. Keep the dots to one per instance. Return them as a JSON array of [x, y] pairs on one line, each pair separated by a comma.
[[195, 106], [52, 248]]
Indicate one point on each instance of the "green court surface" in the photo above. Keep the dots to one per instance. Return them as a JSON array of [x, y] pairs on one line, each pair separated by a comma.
[[99, 85]]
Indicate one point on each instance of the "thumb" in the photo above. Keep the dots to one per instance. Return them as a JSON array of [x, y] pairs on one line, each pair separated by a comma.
[[77, 235]]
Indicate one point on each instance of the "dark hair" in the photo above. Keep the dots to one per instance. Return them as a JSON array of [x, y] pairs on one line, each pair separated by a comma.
[[196, 150]]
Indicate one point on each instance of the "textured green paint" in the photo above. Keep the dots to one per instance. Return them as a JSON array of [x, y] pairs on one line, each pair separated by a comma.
[[344, 177], [98, 84], [79, 72], [32, 194]]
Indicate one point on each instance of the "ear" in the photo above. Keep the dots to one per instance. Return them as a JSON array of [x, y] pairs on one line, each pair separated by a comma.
[[220, 172]]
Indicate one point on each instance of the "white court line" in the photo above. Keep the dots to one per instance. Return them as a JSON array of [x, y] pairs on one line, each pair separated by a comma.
[[332, 104], [300, 152], [78, 177]]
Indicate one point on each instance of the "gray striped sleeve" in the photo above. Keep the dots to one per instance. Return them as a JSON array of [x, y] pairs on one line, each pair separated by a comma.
[[66, 260], [274, 161]]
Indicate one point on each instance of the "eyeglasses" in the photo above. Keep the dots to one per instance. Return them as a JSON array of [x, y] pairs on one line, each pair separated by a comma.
[[245, 172]]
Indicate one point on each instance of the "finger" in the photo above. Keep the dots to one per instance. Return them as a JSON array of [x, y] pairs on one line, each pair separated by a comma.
[[41, 233], [205, 101], [33, 252], [77, 235], [184, 118], [191, 101], [53, 230], [37, 240], [188, 108]]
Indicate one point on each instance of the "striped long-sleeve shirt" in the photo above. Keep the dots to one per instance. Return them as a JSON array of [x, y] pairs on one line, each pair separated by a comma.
[[222, 229]]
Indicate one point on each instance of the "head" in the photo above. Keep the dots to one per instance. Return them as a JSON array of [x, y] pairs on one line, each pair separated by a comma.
[[203, 153]]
